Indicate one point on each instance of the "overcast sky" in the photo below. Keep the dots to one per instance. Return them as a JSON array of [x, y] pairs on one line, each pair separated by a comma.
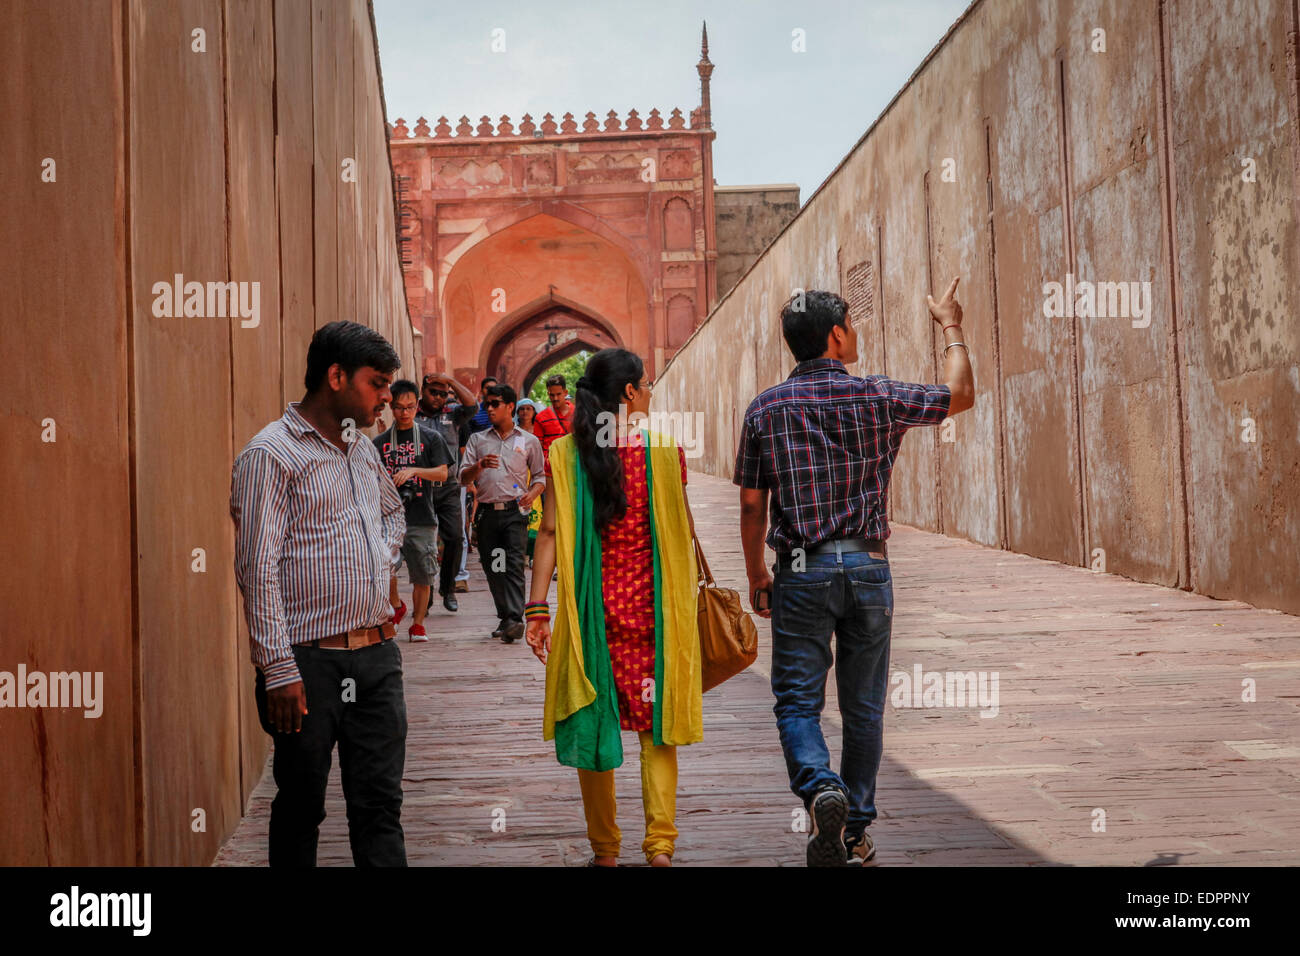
[[781, 116]]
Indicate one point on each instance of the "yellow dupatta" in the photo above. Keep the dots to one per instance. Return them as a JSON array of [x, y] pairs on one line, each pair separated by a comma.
[[568, 687]]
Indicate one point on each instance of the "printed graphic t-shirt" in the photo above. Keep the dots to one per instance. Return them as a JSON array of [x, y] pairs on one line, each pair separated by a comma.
[[401, 454]]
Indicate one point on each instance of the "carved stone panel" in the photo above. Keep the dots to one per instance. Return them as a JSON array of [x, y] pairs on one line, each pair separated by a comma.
[[604, 168], [859, 289], [458, 174], [678, 164], [679, 275], [540, 172]]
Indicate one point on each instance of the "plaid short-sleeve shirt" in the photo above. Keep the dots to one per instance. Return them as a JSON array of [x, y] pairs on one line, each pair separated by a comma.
[[823, 443]]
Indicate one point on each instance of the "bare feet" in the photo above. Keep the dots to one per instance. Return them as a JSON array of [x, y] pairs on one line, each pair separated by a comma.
[[604, 861], [663, 859]]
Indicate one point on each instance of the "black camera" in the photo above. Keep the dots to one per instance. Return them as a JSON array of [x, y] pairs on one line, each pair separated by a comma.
[[410, 491]]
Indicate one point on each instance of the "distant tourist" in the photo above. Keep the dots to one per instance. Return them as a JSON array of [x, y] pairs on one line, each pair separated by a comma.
[[481, 421], [525, 418], [318, 524], [606, 648], [556, 421], [505, 464], [418, 460], [451, 420], [823, 444], [526, 415]]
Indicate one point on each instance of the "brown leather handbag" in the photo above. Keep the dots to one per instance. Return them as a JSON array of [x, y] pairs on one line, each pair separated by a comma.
[[728, 638]]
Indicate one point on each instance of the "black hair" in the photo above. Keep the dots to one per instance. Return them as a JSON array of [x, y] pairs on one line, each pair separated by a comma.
[[807, 319], [350, 345], [403, 386], [486, 379], [601, 390], [503, 392], [556, 380]]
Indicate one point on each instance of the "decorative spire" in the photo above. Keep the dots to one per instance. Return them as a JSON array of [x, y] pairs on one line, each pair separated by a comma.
[[705, 69]]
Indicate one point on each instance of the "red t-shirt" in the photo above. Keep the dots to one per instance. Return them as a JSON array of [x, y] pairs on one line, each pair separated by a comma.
[[550, 425]]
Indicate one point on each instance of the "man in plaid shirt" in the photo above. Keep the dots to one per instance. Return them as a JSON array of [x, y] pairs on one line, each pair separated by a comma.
[[821, 446]]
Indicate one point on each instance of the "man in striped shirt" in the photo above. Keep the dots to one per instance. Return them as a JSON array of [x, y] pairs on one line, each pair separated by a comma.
[[318, 525], [823, 444]]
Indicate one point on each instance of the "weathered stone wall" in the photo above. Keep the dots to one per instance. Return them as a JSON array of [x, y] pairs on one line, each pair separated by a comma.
[[748, 219], [1021, 153], [220, 164]]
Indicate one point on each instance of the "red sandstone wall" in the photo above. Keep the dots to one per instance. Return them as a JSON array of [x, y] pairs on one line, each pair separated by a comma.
[[1123, 165], [517, 232], [169, 161]]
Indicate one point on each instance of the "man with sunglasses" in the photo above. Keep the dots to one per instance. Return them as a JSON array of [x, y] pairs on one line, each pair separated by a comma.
[[500, 462], [451, 421]]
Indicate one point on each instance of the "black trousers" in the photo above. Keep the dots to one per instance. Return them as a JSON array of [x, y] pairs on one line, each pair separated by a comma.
[[367, 718], [502, 543], [451, 529]]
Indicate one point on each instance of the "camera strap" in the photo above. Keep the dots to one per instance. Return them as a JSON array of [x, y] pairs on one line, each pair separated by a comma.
[[392, 440]]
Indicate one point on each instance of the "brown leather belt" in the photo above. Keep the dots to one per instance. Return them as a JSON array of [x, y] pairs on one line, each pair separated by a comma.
[[357, 637]]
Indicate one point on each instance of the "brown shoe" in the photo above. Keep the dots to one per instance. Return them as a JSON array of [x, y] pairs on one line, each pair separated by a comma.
[[827, 813], [861, 850], [461, 587]]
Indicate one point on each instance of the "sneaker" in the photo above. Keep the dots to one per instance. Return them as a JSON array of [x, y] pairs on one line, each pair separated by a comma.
[[417, 633], [399, 612], [461, 587], [512, 632], [829, 812], [861, 849]]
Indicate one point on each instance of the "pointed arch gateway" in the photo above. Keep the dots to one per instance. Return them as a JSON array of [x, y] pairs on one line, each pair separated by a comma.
[[539, 287], [541, 333]]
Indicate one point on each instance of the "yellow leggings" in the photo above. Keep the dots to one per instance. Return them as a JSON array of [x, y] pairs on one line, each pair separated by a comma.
[[658, 793]]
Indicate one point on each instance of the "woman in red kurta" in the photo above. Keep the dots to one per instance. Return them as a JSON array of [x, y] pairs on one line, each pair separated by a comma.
[[628, 587], [615, 381]]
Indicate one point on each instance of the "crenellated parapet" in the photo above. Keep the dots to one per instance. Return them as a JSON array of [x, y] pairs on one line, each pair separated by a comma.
[[529, 128]]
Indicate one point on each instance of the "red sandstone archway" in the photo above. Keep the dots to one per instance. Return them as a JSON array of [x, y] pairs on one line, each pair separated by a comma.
[[559, 355], [540, 334], [540, 276]]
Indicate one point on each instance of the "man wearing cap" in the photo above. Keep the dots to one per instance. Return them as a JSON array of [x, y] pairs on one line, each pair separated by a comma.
[[451, 421]]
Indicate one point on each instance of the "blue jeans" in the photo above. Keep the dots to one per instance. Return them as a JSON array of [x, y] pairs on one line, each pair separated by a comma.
[[851, 595]]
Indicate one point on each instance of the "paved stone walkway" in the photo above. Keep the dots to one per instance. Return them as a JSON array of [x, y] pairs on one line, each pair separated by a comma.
[[1114, 696]]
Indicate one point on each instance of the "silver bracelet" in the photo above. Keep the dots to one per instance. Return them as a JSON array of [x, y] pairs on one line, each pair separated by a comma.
[[951, 345]]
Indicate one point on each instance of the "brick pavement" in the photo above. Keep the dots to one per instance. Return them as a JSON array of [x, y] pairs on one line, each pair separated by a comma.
[[1113, 695]]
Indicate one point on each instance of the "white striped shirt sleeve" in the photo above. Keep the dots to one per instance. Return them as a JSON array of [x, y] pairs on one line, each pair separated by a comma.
[[392, 511], [259, 503]]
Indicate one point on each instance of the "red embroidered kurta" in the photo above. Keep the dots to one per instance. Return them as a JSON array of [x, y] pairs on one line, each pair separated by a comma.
[[628, 586]]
